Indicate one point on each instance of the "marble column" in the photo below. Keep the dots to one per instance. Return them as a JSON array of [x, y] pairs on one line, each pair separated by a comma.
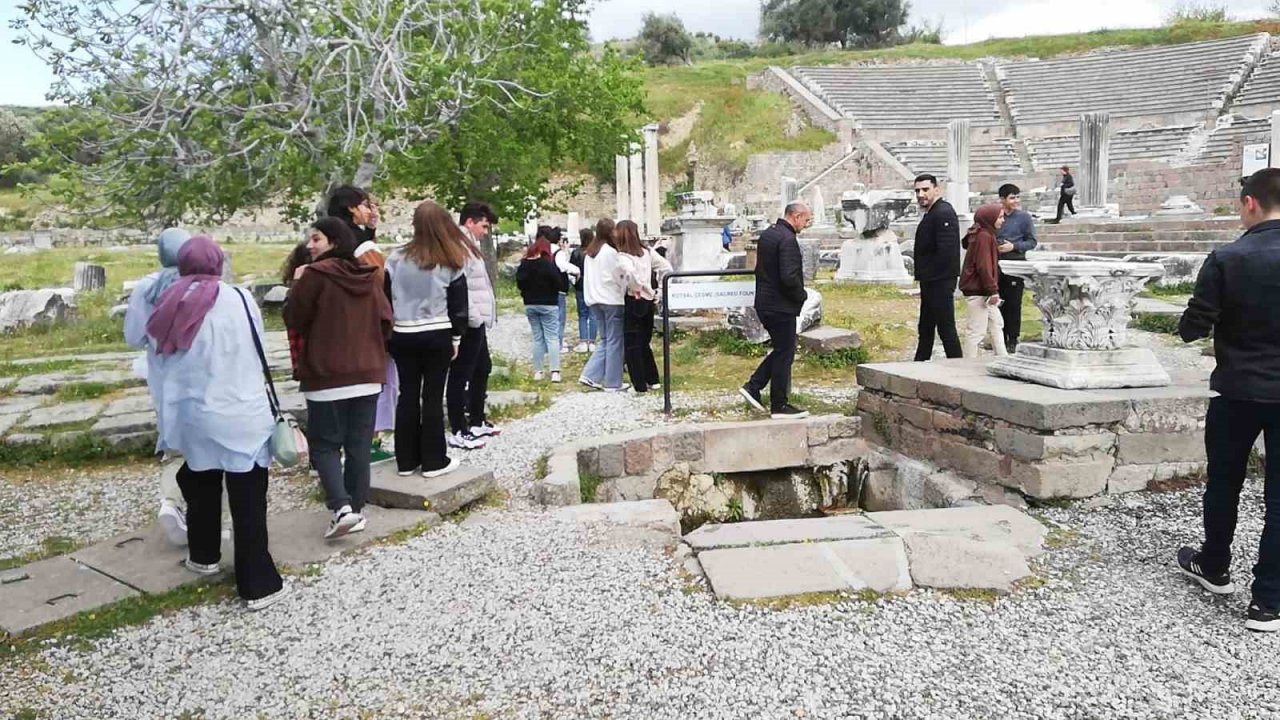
[[1274, 158], [636, 212], [789, 188], [622, 184], [958, 138], [652, 199], [575, 226], [1095, 160]]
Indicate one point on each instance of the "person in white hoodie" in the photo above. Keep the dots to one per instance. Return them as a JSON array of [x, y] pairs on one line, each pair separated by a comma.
[[605, 288], [644, 268], [568, 276], [468, 384]]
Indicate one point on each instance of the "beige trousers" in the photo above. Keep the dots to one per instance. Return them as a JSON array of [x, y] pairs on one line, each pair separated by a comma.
[[983, 319]]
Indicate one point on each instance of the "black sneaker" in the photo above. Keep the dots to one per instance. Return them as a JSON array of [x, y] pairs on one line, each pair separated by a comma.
[[788, 412], [1262, 619], [1189, 563], [752, 397]]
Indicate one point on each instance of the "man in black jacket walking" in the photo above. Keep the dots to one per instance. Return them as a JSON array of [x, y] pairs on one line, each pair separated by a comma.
[[779, 297], [1236, 296], [937, 259]]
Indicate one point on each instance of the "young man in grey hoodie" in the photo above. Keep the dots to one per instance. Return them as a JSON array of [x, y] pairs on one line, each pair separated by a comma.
[[469, 373]]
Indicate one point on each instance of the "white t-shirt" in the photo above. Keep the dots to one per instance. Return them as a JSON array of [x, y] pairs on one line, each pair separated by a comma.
[[346, 392]]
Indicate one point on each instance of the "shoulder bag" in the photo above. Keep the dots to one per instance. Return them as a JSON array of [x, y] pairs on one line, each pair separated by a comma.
[[288, 444]]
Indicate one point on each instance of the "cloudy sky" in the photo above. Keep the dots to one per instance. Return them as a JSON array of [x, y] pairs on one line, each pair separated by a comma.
[[24, 79]]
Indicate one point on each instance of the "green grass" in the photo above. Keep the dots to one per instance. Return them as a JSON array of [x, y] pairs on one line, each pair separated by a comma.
[[1180, 290], [73, 392], [587, 484], [49, 547], [1165, 324], [43, 367], [79, 452]]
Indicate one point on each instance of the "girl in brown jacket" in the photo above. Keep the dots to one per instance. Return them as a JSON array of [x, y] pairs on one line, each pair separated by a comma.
[[980, 281]]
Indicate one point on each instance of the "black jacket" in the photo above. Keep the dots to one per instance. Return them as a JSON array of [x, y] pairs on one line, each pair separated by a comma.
[[579, 259], [1237, 296], [937, 251], [539, 281], [779, 271]]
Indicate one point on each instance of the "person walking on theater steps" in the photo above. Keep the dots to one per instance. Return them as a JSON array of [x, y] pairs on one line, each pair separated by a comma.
[[937, 260], [780, 295], [1235, 300], [1016, 237], [1066, 193]]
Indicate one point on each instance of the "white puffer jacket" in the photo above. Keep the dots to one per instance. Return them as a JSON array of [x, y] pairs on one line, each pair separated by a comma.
[[482, 304]]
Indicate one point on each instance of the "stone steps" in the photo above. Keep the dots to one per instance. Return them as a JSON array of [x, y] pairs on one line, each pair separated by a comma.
[[444, 495]]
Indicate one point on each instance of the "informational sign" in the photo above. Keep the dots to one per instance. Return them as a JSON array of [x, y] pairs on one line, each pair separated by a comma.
[[1256, 157], [711, 295]]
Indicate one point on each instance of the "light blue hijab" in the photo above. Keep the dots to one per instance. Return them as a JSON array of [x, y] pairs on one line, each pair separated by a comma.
[[168, 244]]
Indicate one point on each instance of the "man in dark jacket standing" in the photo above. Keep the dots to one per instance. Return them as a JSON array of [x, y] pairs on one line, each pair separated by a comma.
[[1236, 297], [1016, 237], [779, 297], [937, 259]]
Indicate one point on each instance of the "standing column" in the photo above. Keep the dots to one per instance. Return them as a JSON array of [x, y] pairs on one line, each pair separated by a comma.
[[1274, 157], [789, 187], [652, 182], [958, 165], [575, 225], [1095, 159], [636, 212], [622, 185]]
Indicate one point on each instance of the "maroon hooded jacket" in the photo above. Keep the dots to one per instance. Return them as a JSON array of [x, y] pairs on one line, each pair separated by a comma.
[[343, 316], [981, 272]]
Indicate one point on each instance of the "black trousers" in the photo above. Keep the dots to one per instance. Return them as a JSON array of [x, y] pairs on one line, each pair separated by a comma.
[[422, 362], [256, 575], [469, 381], [1011, 289], [637, 335], [336, 428], [1067, 201], [1231, 428], [938, 315], [775, 369]]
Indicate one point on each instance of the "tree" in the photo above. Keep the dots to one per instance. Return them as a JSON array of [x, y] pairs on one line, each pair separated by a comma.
[[852, 23], [663, 40], [15, 147], [202, 109]]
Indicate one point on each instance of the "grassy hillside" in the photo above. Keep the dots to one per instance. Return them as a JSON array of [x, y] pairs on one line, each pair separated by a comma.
[[736, 124]]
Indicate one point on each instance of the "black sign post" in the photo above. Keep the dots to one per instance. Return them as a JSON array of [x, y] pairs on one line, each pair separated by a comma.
[[666, 323]]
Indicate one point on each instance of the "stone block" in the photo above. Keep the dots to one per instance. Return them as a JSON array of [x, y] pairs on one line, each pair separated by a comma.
[[663, 452], [687, 445], [1062, 479], [780, 532], [638, 456], [588, 462], [997, 524], [612, 460], [836, 451], [1180, 471], [557, 490], [1130, 478], [54, 589], [1152, 448], [939, 394], [825, 340], [819, 430], [1174, 409], [870, 403], [129, 405], [745, 447], [880, 491], [656, 515], [443, 495], [131, 423], [976, 462], [994, 494], [20, 439], [1045, 408], [7, 422], [944, 489], [63, 413], [297, 537], [135, 440], [752, 573], [914, 442], [960, 563], [902, 386], [627, 489], [873, 377], [845, 427], [146, 561], [1034, 446], [918, 416], [946, 422], [11, 406]]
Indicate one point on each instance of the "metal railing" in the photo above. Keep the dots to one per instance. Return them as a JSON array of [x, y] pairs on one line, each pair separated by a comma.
[[666, 323]]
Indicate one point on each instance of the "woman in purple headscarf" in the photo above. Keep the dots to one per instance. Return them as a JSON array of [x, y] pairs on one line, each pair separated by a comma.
[[211, 404]]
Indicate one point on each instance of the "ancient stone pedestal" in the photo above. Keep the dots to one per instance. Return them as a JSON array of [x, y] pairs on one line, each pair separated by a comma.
[[875, 259], [696, 245], [89, 277], [809, 251], [1085, 308]]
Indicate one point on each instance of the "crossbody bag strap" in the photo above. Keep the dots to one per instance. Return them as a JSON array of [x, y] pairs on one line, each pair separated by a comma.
[[272, 399]]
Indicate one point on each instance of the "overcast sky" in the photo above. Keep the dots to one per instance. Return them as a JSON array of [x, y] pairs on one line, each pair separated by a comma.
[[24, 79]]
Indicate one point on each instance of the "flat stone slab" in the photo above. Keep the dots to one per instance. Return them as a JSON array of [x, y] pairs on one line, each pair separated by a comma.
[[147, 562], [51, 590], [949, 563], [121, 424], [19, 407], [1153, 306], [63, 413], [656, 515], [443, 495], [779, 532], [998, 524], [297, 537], [825, 339], [129, 405], [753, 573]]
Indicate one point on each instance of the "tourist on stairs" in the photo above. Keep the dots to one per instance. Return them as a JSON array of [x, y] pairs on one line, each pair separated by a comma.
[[643, 268], [206, 379], [142, 302], [937, 267], [980, 284], [1235, 302], [780, 296], [586, 323], [605, 289], [1066, 193], [568, 273], [1016, 238], [429, 298], [539, 281], [469, 372], [341, 313]]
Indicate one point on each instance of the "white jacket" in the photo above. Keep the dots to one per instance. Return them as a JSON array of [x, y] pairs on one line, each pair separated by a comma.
[[482, 303], [639, 272], [606, 278]]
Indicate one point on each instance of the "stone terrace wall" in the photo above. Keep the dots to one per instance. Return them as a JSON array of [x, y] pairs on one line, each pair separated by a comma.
[[1154, 236], [1140, 188]]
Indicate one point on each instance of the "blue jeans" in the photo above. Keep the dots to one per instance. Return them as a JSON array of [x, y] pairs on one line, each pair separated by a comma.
[[586, 320], [544, 321], [605, 365], [564, 315]]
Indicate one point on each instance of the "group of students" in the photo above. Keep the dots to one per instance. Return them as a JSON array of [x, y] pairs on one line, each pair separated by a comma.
[[367, 334], [614, 276]]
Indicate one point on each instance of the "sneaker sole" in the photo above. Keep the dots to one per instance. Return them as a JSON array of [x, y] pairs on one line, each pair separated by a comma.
[[476, 446], [174, 531], [1227, 589], [203, 572], [266, 602], [1262, 625], [750, 400], [454, 464], [342, 528], [588, 384], [796, 416], [358, 527]]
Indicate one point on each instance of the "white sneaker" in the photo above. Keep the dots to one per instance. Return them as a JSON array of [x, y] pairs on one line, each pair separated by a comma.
[[537, 375], [590, 383], [173, 523], [406, 473], [342, 522], [486, 429], [201, 568], [263, 603], [580, 347], [555, 376], [359, 526], [564, 349], [464, 441], [591, 347], [454, 464], [621, 388]]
